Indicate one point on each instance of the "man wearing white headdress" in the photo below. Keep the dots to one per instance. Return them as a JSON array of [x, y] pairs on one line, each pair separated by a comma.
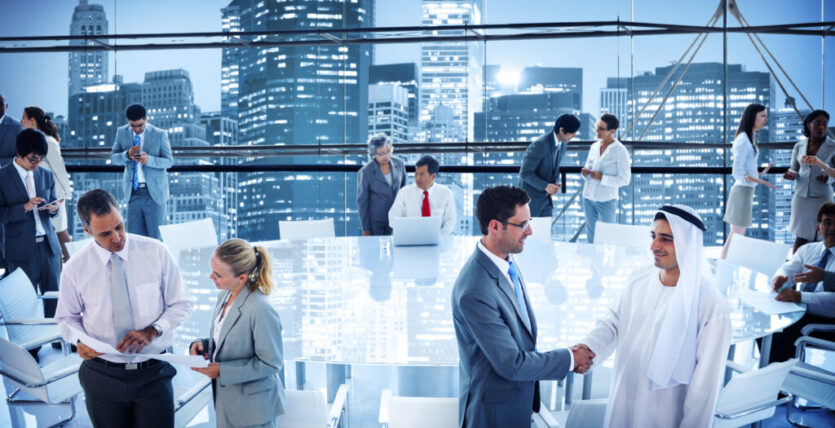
[[671, 330]]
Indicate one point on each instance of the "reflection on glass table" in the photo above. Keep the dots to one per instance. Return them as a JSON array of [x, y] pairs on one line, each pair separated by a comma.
[[361, 300]]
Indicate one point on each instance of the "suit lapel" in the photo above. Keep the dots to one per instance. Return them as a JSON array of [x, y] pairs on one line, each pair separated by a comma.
[[505, 287], [4, 127], [14, 177], [232, 315]]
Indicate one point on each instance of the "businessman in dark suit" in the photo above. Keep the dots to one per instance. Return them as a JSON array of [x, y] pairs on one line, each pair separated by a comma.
[[499, 366], [539, 173], [25, 192]]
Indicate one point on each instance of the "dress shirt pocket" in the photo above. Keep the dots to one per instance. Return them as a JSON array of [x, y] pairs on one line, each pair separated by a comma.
[[149, 301], [609, 165]]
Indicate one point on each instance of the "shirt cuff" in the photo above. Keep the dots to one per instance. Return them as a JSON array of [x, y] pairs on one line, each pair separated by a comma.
[[805, 296]]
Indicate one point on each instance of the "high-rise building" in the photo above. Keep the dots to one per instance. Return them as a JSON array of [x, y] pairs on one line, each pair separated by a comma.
[[405, 75], [614, 98], [223, 131], [87, 67], [388, 111], [450, 71], [229, 72], [693, 114], [787, 127], [290, 95]]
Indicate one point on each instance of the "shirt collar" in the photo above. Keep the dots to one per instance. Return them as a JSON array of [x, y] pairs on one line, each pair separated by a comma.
[[428, 190], [20, 170], [2, 118], [104, 255], [501, 263]]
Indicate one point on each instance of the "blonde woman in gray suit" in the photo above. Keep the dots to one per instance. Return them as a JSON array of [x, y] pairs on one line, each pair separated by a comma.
[[245, 344]]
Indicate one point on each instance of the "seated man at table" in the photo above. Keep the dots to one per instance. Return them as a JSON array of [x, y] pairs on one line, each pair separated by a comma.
[[672, 331], [816, 260], [425, 198], [499, 366]]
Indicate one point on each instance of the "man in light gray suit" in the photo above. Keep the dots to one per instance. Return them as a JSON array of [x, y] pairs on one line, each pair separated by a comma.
[[499, 366], [146, 153]]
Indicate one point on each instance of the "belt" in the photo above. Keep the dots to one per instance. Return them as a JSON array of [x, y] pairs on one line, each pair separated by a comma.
[[39, 239], [126, 366], [141, 186]]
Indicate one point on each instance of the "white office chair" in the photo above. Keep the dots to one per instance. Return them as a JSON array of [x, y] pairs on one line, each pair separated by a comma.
[[752, 395], [307, 409], [416, 412], [192, 234], [626, 235], [812, 379], [74, 246], [305, 229], [582, 414], [188, 402], [757, 254], [22, 314], [53, 384]]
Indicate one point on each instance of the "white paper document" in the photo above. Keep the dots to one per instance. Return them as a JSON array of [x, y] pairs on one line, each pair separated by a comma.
[[764, 302], [185, 360]]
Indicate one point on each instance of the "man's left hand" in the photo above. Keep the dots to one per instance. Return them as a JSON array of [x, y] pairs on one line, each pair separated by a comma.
[[143, 158], [135, 340], [212, 371], [812, 276], [788, 295]]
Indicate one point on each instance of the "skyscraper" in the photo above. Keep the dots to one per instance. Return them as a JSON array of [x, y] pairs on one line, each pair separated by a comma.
[[405, 75], [87, 68], [223, 131], [298, 95], [388, 111], [614, 98]]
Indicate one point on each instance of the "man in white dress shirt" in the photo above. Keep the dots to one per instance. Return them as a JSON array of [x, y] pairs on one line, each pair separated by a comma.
[[425, 197], [672, 330], [807, 267], [124, 290]]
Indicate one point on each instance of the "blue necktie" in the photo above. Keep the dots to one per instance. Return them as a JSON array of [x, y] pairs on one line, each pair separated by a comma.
[[811, 286], [517, 287], [136, 141]]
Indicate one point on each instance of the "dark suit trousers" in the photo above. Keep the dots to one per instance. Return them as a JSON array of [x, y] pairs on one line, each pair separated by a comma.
[[782, 344], [144, 215], [128, 398], [43, 271]]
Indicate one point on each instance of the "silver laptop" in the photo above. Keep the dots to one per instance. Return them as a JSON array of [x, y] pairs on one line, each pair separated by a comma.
[[416, 230]]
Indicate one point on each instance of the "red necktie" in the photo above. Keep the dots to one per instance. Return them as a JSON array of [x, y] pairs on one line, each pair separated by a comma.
[[425, 210]]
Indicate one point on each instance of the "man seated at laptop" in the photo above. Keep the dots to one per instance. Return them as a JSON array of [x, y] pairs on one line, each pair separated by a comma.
[[425, 198]]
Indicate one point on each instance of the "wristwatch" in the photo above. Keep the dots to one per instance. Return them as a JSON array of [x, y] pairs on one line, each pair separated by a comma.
[[157, 328]]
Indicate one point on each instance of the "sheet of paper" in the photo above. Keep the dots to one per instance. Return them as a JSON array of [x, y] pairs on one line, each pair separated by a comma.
[[764, 302], [185, 360]]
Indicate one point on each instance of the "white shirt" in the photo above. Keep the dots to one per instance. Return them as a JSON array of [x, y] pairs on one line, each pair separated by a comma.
[[39, 230], [221, 317], [409, 203], [139, 173], [157, 294], [744, 160], [818, 302], [631, 326], [616, 167], [503, 266]]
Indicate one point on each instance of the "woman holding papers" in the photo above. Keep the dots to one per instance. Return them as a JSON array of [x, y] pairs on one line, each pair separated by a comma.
[[245, 344], [739, 208]]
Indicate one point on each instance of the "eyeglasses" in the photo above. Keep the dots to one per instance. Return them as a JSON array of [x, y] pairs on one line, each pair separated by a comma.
[[524, 225], [601, 129], [34, 159], [384, 155]]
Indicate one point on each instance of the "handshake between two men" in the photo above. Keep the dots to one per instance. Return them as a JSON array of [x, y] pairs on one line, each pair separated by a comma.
[[583, 358]]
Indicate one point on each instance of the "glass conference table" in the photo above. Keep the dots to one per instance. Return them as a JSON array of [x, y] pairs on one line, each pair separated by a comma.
[[362, 301]]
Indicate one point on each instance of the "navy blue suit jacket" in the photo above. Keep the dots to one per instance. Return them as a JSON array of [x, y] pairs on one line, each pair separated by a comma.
[[9, 128], [498, 364], [541, 166], [19, 243]]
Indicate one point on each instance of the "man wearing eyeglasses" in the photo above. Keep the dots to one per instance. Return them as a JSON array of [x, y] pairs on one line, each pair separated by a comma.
[[27, 201], [146, 153], [495, 326]]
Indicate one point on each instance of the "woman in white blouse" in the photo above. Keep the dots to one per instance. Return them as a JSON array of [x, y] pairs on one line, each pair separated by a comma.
[[608, 167], [738, 210]]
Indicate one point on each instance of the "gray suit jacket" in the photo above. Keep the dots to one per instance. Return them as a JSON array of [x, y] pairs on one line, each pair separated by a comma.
[[9, 128], [19, 225], [158, 148], [541, 166], [375, 195], [249, 390], [498, 363]]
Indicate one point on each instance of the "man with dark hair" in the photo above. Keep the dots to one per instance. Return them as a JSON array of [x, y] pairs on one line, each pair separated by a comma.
[[27, 201], [132, 297], [809, 267], [425, 198], [499, 366], [539, 173], [146, 153]]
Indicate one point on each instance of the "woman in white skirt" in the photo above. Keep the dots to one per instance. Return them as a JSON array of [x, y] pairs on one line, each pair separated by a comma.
[[810, 163], [738, 210]]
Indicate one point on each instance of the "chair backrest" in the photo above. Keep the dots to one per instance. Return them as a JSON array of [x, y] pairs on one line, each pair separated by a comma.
[[587, 413], [19, 364], [757, 254], [304, 409], [751, 389], [19, 301], [192, 234], [74, 246], [626, 235], [541, 227], [304, 229], [415, 412]]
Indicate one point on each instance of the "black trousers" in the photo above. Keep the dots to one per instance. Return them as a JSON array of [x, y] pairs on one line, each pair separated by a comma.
[[43, 271], [141, 398], [782, 344]]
